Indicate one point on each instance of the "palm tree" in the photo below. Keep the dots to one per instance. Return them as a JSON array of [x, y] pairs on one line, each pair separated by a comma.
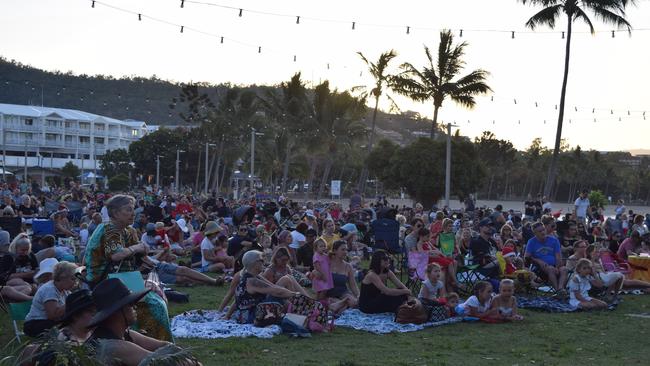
[[609, 11], [436, 80], [379, 71], [289, 107]]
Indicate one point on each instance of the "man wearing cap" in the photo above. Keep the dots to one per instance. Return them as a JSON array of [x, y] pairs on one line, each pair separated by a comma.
[[115, 314], [545, 252], [483, 249]]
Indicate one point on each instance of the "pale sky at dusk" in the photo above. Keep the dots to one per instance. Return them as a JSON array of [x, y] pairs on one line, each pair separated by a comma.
[[606, 73]]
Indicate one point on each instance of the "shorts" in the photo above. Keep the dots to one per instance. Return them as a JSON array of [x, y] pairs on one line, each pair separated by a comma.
[[609, 278], [167, 272]]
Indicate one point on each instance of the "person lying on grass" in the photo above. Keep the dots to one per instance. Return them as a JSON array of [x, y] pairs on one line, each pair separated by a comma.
[[479, 304]]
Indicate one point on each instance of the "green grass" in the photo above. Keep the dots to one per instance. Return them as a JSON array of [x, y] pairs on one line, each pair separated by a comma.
[[599, 338]]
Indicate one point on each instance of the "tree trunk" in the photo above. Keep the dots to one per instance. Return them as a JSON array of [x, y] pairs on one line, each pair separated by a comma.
[[326, 174], [285, 168], [222, 176], [310, 181], [552, 169], [434, 122], [364, 172], [489, 192], [505, 191]]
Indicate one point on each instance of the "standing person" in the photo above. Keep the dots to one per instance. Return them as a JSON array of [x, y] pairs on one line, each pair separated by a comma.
[[620, 207], [546, 255], [356, 201], [538, 207], [581, 206], [470, 205], [529, 208]]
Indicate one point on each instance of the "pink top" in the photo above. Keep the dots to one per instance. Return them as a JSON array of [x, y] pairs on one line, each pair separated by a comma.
[[324, 262]]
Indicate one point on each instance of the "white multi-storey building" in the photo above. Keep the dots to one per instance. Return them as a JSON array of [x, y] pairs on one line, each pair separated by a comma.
[[50, 137]]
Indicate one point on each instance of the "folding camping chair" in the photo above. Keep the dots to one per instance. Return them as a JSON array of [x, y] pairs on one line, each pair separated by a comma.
[[18, 312], [417, 270]]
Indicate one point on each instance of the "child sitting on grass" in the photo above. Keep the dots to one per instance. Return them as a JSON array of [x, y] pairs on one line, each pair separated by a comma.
[[505, 303], [478, 305], [432, 288], [579, 286], [523, 278]]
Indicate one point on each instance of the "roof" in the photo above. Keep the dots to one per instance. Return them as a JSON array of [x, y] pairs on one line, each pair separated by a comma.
[[134, 123], [38, 112]]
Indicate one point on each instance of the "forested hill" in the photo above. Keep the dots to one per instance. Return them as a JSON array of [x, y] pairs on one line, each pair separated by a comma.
[[139, 98]]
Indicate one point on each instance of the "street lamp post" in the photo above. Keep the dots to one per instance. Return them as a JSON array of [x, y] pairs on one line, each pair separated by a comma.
[[448, 165], [207, 162], [158, 172], [177, 185], [253, 134]]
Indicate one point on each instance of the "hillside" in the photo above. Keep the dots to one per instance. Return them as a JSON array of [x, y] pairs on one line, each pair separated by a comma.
[[139, 98]]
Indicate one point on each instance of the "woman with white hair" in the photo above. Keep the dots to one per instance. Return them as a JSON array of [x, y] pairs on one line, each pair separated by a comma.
[[254, 288], [48, 305], [17, 268]]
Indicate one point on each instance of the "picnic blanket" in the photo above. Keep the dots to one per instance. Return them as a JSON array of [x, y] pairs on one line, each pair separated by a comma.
[[207, 324], [382, 323], [545, 303]]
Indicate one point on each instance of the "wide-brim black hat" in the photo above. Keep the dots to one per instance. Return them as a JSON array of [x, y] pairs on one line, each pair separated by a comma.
[[110, 296], [75, 303]]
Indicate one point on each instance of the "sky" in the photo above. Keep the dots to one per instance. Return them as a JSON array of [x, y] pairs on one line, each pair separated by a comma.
[[608, 76]]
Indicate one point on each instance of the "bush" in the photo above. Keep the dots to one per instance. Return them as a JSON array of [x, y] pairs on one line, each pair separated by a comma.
[[119, 182], [598, 199]]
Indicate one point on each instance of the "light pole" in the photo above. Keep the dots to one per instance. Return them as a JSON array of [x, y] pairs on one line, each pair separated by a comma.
[[25, 168], [253, 134], [207, 162], [448, 165], [177, 185], [158, 172], [94, 180]]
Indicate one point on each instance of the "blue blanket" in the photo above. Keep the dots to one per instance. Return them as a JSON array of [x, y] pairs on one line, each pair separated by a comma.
[[382, 323], [545, 303], [208, 324]]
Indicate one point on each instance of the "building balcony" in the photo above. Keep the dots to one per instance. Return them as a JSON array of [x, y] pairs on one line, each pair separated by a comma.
[[30, 128]]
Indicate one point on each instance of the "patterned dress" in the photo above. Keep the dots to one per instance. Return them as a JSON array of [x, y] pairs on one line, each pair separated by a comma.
[[107, 240]]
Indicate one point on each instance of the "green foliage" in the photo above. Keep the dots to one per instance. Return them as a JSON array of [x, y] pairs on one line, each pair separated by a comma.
[[597, 198], [70, 170], [118, 183], [115, 162]]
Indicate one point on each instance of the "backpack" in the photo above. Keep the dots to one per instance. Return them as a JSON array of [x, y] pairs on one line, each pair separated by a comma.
[[315, 311], [268, 313], [412, 312]]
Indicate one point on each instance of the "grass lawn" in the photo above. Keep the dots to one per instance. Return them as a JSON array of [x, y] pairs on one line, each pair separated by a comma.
[[600, 338]]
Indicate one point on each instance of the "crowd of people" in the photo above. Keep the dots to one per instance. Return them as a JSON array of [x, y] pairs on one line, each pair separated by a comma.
[[280, 255]]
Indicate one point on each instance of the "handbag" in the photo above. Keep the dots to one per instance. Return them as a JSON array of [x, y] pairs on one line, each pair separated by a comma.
[[316, 313], [268, 313], [411, 312]]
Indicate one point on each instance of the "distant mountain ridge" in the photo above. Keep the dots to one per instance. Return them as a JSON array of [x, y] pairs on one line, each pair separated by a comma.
[[144, 99]]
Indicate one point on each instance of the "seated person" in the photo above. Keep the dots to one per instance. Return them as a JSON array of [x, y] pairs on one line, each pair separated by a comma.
[[18, 267], [305, 254], [546, 256], [115, 314], [345, 293], [580, 284], [48, 305], [280, 269], [375, 296], [483, 249], [79, 310], [432, 288], [213, 252], [49, 249], [505, 303], [253, 288], [631, 246], [479, 305]]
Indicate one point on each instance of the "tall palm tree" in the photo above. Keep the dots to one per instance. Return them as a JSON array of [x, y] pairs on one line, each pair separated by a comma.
[[379, 71], [609, 11], [436, 82]]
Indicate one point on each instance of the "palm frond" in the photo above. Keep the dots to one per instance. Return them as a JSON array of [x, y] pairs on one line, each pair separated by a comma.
[[580, 14], [609, 17], [466, 101], [546, 16]]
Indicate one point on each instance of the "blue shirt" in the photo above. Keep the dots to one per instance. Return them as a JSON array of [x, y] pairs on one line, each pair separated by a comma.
[[545, 251]]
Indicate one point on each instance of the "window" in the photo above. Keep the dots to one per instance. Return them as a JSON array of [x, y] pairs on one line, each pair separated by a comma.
[[52, 123], [134, 133], [99, 127], [99, 140], [29, 122], [84, 140], [69, 124], [84, 125]]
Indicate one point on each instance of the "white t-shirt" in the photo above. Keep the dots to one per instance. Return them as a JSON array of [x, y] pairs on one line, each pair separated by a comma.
[[473, 302], [578, 284], [434, 290], [104, 213], [581, 207], [83, 237], [297, 238], [206, 244]]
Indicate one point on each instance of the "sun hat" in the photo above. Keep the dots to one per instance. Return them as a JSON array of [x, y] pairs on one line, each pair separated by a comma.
[[183, 225], [46, 266], [110, 296], [211, 227], [485, 222], [75, 303]]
